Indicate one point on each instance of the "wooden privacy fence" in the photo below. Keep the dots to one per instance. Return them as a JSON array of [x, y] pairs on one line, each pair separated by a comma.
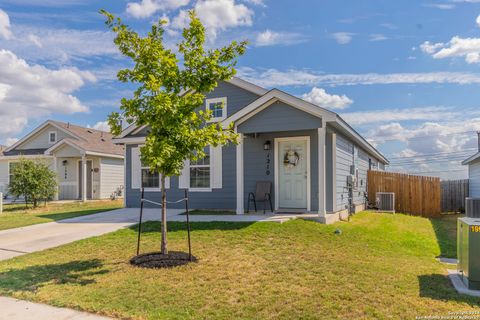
[[416, 195], [454, 193]]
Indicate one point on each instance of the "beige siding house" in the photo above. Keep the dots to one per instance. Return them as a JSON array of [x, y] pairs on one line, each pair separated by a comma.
[[88, 165]]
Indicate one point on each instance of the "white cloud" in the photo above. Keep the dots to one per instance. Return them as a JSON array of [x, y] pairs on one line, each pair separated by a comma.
[[35, 40], [256, 2], [468, 48], [32, 91], [377, 37], [323, 99], [342, 37], [394, 114], [147, 8], [216, 15], [59, 45], [478, 20], [430, 48], [5, 25], [270, 38], [101, 125], [274, 77], [442, 6]]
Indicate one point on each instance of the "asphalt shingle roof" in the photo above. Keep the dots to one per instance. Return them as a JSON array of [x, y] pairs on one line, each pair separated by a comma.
[[91, 139]]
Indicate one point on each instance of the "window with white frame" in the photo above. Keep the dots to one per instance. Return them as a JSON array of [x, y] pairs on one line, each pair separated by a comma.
[[11, 166], [150, 179], [200, 172], [52, 137], [218, 107]]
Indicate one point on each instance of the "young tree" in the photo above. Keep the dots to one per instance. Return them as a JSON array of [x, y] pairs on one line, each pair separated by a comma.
[[33, 180], [169, 96]]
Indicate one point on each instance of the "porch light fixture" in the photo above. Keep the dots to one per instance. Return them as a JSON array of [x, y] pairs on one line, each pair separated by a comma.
[[64, 163], [267, 145]]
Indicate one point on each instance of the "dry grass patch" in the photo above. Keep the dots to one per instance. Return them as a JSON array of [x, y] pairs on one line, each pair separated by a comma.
[[381, 266]]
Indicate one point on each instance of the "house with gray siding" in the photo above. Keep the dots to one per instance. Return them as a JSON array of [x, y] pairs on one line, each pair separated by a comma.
[[87, 163], [473, 164], [315, 161]]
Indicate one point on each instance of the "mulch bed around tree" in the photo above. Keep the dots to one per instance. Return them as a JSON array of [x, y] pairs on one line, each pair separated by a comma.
[[157, 260]]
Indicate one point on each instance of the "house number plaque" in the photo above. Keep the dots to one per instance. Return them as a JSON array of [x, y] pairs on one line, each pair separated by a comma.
[[267, 171]]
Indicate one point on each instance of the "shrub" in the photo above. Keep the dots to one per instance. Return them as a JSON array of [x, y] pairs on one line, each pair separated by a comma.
[[33, 180]]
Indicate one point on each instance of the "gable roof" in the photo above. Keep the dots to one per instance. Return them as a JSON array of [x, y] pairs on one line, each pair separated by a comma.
[[326, 115], [89, 140], [471, 159], [268, 97]]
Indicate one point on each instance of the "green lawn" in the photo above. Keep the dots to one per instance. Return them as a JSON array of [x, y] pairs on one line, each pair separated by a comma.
[[381, 266], [15, 215]]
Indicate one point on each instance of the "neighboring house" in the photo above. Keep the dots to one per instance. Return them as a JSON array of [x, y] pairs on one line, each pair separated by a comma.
[[88, 165], [315, 161], [474, 172]]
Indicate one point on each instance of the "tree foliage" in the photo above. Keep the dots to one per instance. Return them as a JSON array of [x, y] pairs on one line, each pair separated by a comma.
[[33, 180], [171, 88]]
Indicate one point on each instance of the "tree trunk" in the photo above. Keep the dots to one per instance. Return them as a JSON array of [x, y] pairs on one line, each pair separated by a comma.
[[164, 217]]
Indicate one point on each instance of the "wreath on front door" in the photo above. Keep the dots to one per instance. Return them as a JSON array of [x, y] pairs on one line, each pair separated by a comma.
[[291, 158]]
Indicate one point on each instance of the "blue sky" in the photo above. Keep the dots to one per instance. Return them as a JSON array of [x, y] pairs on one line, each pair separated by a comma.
[[406, 74]]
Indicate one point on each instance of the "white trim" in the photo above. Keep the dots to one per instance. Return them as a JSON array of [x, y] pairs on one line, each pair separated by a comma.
[[322, 195], [127, 130], [200, 189], [223, 101], [276, 164], [49, 135], [247, 86], [60, 143], [105, 155], [243, 84], [37, 130], [209, 189], [471, 159], [275, 95], [30, 156], [239, 174], [84, 179], [132, 140]]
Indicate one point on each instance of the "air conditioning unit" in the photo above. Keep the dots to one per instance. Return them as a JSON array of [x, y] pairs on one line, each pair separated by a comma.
[[385, 201], [472, 207]]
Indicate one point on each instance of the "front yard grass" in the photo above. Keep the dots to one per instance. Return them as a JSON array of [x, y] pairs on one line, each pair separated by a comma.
[[15, 215], [381, 266]]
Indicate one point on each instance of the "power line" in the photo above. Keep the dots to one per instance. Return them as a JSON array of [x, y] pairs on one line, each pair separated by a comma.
[[426, 161], [441, 171], [435, 154], [421, 138]]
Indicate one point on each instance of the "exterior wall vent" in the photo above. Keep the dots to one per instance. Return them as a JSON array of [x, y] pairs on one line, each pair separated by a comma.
[[385, 201]]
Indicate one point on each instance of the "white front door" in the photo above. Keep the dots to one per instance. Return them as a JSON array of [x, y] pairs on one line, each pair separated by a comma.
[[292, 174]]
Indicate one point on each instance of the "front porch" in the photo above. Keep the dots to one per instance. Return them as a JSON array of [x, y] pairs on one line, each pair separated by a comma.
[[78, 173], [293, 150]]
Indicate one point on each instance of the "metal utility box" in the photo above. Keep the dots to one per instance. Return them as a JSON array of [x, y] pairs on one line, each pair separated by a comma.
[[385, 201], [468, 249]]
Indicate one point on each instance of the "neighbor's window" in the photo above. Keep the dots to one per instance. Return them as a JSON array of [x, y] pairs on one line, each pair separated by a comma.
[[10, 170], [52, 137], [218, 107], [149, 179], [200, 172]]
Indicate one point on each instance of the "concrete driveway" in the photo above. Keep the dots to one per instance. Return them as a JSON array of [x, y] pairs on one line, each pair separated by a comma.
[[19, 241]]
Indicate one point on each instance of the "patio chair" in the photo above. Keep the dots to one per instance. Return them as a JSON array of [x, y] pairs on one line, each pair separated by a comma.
[[262, 194]]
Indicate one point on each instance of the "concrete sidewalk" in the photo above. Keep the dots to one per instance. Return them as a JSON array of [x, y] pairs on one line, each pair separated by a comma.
[[13, 309]]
